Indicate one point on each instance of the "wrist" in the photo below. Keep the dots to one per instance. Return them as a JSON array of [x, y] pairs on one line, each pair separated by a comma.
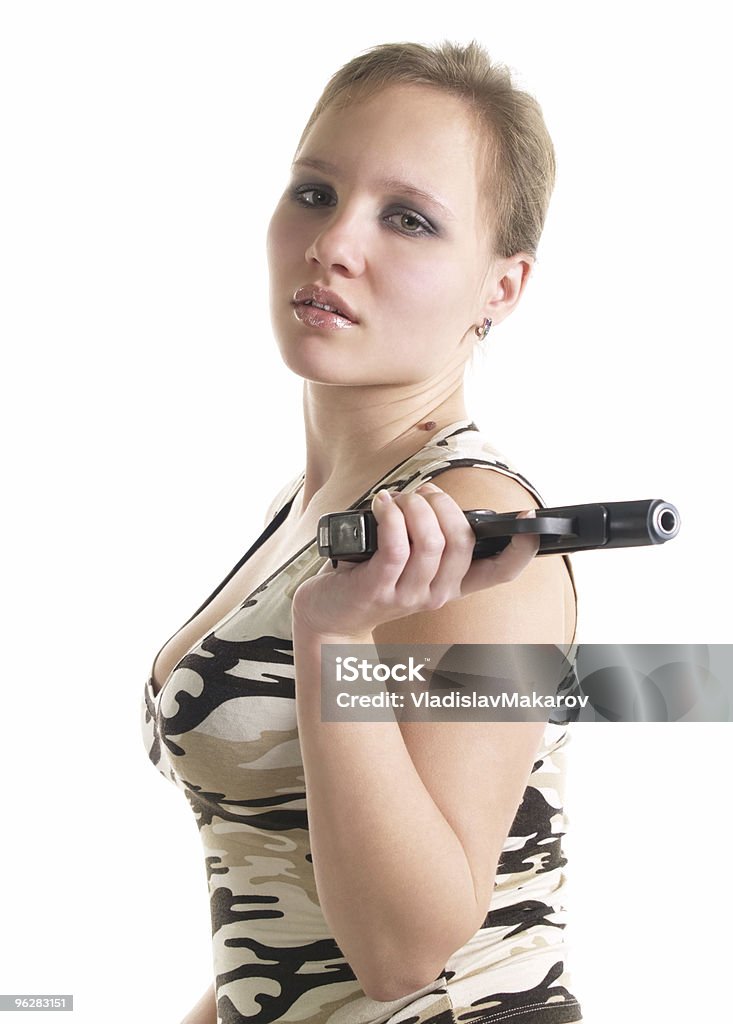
[[303, 632]]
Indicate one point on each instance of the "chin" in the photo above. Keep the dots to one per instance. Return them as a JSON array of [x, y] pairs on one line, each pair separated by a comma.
[[314, 361], [323, 368], [335, 358]]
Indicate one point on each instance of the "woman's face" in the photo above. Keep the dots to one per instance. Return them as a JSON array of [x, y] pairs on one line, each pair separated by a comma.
[[382, 216]]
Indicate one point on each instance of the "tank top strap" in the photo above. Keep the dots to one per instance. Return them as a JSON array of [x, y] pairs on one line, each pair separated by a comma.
[[284, 495], [470, 453]]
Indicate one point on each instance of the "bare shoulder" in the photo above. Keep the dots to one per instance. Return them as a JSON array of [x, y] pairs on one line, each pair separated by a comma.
[[484, 487], [536, 607]]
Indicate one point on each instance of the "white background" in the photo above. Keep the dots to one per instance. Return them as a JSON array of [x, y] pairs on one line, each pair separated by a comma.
[[148, 422]]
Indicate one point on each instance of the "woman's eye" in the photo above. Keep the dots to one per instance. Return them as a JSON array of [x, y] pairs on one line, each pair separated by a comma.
[[407, 222], [311, 195], [410, 223]]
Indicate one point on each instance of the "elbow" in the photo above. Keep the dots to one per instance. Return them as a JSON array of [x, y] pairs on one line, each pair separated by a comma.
[[390, 984], [398, 974], [388, 991]]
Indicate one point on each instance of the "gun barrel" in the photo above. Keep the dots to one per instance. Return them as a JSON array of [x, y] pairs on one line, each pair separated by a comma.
[[630, 523]]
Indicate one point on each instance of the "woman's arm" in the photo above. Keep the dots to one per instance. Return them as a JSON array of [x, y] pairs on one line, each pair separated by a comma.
[[204, 1012], [407, 821]]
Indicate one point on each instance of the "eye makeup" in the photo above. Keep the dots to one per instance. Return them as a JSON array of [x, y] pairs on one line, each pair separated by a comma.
[[422, 226]]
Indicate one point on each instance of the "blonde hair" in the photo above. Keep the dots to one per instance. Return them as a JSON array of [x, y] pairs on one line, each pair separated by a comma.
[[517, 151]]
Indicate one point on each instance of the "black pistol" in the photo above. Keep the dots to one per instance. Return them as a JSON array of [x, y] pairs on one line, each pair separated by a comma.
[[352, 536]]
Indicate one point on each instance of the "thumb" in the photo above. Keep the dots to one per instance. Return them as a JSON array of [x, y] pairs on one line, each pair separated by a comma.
[[526, 540]]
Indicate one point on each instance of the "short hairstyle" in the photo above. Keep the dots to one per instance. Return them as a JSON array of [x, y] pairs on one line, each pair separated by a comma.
[[517, 151]]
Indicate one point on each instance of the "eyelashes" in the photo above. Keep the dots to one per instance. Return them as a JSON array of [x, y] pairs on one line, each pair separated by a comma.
[[299, 192], [410, 222]]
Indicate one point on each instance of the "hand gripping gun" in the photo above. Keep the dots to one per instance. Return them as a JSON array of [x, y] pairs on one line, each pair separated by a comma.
[[352, 536]]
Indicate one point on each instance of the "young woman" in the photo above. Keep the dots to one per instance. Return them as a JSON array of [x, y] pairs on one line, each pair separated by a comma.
[[364, 872]]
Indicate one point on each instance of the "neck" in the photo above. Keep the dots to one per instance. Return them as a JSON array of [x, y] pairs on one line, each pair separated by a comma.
[[354, 435]]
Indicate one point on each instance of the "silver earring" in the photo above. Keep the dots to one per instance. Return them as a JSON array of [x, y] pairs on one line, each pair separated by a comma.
[[483, 329]]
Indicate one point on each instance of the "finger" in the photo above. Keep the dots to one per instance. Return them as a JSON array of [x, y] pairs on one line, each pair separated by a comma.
[[460, 541], [526, 544], [507, 565], [393, 543], [427, 544], [377, 575]]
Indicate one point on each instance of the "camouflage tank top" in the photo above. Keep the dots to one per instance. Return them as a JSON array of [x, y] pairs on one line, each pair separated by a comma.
[[223, 729]]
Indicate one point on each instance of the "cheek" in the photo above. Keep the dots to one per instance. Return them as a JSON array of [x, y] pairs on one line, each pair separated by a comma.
[[431, 288], [281, 237]]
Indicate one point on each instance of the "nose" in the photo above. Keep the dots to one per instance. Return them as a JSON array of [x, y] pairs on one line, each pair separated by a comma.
[[339, 245]]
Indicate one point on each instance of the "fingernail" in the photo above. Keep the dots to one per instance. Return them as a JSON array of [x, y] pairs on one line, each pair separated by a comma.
[[383, 496], [430, 488]]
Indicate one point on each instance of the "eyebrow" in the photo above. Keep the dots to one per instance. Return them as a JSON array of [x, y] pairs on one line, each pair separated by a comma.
[[394, 184]]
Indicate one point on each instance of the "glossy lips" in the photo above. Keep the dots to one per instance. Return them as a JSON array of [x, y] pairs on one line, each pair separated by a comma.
[[339, 315]]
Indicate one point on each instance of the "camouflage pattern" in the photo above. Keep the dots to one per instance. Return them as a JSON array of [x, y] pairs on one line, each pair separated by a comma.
[[223, 729]]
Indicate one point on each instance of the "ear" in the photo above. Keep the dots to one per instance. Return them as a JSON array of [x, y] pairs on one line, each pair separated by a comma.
[[505, 285]]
